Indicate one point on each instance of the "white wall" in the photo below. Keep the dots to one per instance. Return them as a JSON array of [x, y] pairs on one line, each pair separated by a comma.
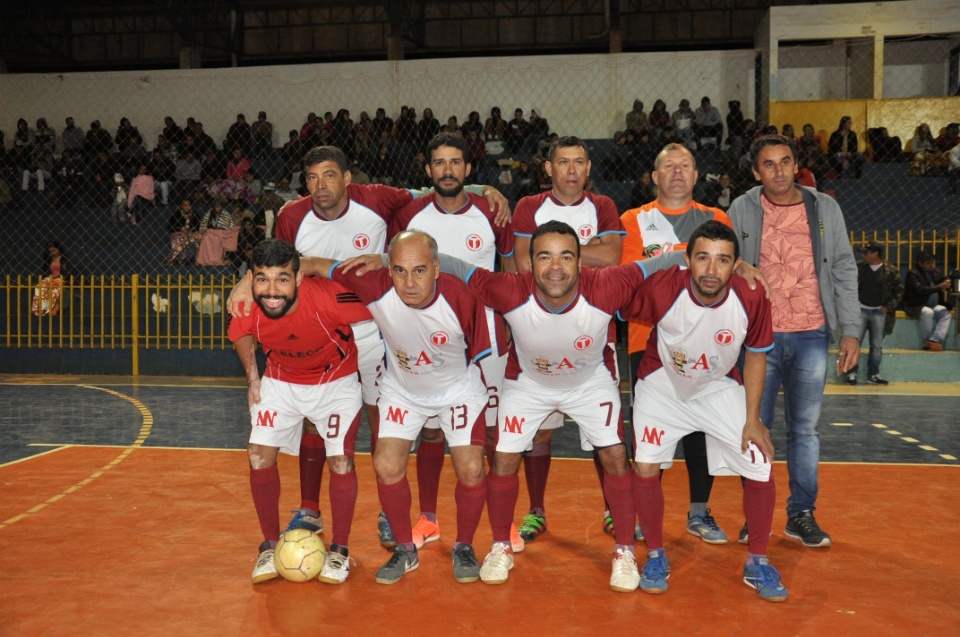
[[586, 95]]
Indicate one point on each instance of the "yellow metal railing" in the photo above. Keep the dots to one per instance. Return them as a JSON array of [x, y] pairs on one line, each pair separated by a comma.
[[120, 312], [902, 247]]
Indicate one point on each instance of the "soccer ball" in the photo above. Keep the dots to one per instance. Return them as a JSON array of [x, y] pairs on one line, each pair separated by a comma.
[[299, 555]]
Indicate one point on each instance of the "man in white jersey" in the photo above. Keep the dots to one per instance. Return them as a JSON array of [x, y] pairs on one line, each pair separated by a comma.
[[600, 232], [689, 381], [340, 220], [435, 332]]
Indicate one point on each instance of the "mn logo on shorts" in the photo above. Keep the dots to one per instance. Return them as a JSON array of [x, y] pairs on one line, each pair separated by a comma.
[[266, 418]]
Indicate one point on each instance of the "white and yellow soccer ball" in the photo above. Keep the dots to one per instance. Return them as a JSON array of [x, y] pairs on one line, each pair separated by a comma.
[[299, 555]]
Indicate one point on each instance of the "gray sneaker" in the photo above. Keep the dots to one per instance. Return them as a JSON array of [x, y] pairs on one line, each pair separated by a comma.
[[401, 562], [706, 528], [466, 569]]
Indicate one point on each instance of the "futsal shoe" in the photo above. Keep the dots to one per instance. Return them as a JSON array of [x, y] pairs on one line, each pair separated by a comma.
[[496, 566], [804, 527], [425, 531], [466, 569], [304, 519], [516, 542], [758, 574], [532, 527], [624, 576], [336, 566], [656, 572], [607, 526], [400, 563], [706, 528], [265, 569], [385, 533]]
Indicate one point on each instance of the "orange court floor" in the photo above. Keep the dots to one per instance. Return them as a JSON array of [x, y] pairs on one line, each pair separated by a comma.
[[153, 535]]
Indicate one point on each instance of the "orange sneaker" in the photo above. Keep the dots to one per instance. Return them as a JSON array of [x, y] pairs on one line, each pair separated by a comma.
[[516, 542], [425, 531]]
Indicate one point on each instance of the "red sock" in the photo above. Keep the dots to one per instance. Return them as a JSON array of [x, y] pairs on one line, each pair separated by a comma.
[[470, 501], [265, 487], [395, 500], [343, 500], [618, 491], [502, 492], [648, 495], [429, 466], [536, 466], [759, 499], [313, 455]]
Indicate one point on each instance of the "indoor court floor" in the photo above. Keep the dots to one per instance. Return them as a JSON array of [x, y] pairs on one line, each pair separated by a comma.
[[126, 510]]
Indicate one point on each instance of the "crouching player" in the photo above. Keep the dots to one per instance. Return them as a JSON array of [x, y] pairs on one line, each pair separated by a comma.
[[688, 381], [304, 328]]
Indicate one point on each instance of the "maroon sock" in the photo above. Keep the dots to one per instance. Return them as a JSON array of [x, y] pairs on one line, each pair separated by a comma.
[[470, 501], [648, 495], [313, 455], [759, 499], [395, 500], [265, 487], [343, 500], [429, 466], [502, 492], [618, 491], [536, 466]]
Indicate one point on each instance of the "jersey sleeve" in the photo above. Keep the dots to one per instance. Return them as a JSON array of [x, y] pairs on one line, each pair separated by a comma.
[[344, 305], [473, 318], [240, 326], [608, 219], [369, 287], [502, 291], [388, 200], [632, 246], [401, 219], [610, 289], [502, 234], [524, 221], [759, 336], [654, 296], [288, 222]]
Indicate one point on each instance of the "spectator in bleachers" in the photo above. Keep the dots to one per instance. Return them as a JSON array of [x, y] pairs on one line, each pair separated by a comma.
[[924, 298], [164, 172], [261, 136], [665, 137], [416, 176], [806, 176], [119, 211], [167, 149], [294, 150], [477, 150], [842, 148], [789, 133], [539, 126], [46, 296], [218, 234], [721, 192], [923, 141], [226, 182], [405, 129], [735, 129], [358, 175], [189, 144], [187, 176], [809, 139], [102, 170], [217, 218], [363, 141], [473, 123], [707, 123], [24, 133], [953, 172], [46, 135], [127, 136], [307, 129], [254, 185], [886, 149], [381, 124], [682, 120], [238, 135], [427, 128], [172, 132], [880, 289], [659, 119], [493, 129], [39, 167], [949, 139], [341, 131], [515, 132], [98, 139], [636, 118], [453, 126], [620, 164], [69, 181], [247, 239], [271, 203], [383, 167], [184, 227], [285, 191], [770, 129], [644, 191], [73, 137], [205, 143], [141, 194]]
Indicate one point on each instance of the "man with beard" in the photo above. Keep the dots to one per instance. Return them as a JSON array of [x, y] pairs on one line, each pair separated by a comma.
[[311, 372], [463, 226]]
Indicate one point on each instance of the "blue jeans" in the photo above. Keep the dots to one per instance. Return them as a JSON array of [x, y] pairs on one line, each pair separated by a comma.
[[798, 362], [934, 323], [872, 321]]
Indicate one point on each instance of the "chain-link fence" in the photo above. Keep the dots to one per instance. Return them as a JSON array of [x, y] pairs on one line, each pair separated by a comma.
[[109, 195]]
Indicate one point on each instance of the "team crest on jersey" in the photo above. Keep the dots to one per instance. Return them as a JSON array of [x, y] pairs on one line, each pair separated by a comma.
[[723, 337], [439, 338], [656, 249], [585, 232], [361, 241], [583, 342], [680, 360], [474, 242], [543, 364], [403, 358]]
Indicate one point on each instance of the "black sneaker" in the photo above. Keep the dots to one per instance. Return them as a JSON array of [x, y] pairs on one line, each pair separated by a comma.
[[466, 569], [744, 537], [876, 380], [852, 378], [804, 527], [401, 562]]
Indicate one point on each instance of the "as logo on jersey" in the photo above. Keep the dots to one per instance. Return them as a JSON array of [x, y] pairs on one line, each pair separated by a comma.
[[723, 337], [474, 242], [554, 368], [585, 232], [583, 342], [361, 241], [439, 338], [416, 365]]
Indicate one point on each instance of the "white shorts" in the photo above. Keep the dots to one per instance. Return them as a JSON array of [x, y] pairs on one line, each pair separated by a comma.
[[369, 359], [595, 406], [555, 420], [459, 414], [660, 420], [333, 407]]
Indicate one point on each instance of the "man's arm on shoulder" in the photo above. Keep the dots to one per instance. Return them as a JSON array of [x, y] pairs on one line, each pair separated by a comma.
[[521, 252], [603, 251]]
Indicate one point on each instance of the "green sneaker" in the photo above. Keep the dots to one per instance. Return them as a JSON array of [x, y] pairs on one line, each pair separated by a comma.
[[532, 527]]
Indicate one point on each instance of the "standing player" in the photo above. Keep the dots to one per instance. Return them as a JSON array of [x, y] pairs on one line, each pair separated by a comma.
[[599, 232], [435, 332], [304, 328], [661, 226], [463, 226], [340, 220], [689, 381], [798, 239]]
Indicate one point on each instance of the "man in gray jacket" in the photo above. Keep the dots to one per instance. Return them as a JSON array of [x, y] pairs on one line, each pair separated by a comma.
[[797, 237]]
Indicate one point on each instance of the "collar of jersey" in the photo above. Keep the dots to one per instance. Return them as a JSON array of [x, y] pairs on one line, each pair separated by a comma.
[[693, 295], [556, 200], [322, 217], [459, 211], [554, 310], [433, 299]]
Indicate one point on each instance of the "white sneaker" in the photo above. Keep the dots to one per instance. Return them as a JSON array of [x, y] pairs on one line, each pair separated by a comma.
[[336, 567], [496, 566], [265, 569], [625, 577]]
